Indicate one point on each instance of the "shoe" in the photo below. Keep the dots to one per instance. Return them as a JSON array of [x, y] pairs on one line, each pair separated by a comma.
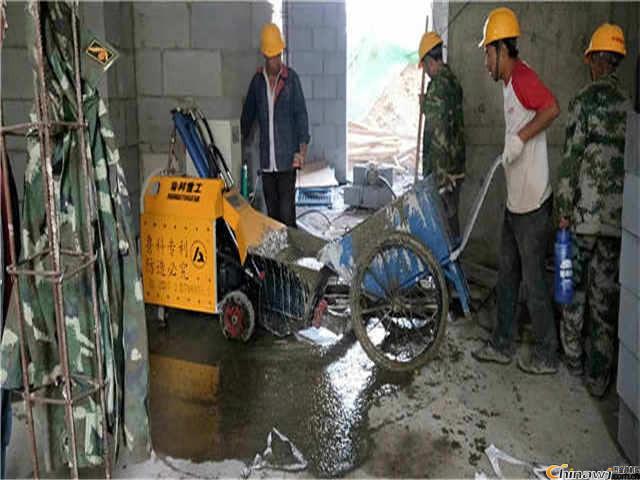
[[488, 353], [574, 367], [536, 366], [597, 387]]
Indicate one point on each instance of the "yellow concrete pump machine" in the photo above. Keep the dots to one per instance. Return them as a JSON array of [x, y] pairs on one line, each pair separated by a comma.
[[205, 249]]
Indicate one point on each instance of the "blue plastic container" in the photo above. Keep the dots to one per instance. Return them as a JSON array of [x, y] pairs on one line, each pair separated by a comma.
[[563, 280]]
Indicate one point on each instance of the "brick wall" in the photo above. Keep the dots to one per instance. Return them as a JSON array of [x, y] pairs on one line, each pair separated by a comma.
[[317, 50], [202, 53]]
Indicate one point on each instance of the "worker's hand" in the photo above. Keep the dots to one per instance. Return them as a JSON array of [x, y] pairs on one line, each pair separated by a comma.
[[564, 222], [298, 160], [512, 148]]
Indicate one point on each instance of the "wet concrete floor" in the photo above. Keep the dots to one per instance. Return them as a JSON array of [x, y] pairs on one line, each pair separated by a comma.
[[349, 419], [318, 397]]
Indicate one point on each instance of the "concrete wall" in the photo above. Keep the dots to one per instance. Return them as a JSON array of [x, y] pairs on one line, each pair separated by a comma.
[[554, 36], [317, 50], [202, 53], [628, 384]]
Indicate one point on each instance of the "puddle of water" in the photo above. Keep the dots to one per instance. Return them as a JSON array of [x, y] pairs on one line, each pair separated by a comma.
[[319, 398]]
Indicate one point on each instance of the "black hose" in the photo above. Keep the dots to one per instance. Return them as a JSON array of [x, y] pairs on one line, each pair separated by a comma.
[[216, 154], [386, 183], [210, 163], [304, 214]]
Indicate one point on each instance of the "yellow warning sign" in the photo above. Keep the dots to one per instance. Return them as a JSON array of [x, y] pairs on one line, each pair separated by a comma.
[[199, 254], [101, 53], [177, 234]]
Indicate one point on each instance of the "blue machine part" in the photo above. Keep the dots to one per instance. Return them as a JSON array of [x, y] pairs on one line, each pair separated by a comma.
[[187, 129], [314, 197], [418, 212]]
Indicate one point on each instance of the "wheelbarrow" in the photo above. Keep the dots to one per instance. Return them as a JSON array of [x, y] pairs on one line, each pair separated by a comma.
[[401, 264], [398, 266]]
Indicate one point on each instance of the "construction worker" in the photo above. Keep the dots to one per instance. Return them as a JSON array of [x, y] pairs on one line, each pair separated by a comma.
[[443, 151], [589, 202], [529, 108], [276, 100]]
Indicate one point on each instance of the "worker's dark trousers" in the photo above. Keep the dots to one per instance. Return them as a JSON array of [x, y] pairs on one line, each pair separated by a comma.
[[280, 195], [522, 252], [450, 202]]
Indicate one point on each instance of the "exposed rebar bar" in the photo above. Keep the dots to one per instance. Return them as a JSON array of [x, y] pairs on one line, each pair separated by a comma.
[[44, 134]]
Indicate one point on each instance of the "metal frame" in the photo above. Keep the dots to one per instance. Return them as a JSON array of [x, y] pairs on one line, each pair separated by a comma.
[[85, 386]]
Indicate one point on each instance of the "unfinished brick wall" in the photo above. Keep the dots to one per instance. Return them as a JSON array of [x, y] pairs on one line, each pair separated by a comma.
[[203, 53], [317, 51]]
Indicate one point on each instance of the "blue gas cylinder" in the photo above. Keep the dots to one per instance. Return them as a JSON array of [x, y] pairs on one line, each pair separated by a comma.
[[563, 284]]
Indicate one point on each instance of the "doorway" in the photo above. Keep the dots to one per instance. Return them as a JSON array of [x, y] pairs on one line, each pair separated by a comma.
[[383, 82]]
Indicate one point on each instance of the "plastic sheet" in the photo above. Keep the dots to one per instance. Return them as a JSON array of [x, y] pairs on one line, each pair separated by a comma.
[[280, 454], [495, 455]]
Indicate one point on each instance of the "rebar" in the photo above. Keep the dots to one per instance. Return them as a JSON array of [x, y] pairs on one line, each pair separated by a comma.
[[51, 213], [57, 274]]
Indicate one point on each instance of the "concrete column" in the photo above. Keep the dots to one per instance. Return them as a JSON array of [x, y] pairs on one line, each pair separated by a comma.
[[317, 52]]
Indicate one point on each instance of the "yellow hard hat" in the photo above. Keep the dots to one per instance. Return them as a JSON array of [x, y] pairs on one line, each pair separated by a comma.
[[607, 38], [428, 41], [271, 41], [501, 23]]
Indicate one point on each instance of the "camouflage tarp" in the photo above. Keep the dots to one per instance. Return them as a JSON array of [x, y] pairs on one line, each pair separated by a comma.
[[121, 307]]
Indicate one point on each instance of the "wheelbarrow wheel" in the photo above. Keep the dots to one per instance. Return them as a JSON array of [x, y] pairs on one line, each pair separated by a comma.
[[399, 302], [237, 317]]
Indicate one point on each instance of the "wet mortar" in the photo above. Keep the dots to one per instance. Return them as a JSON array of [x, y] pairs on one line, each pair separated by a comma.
[[318, 397]]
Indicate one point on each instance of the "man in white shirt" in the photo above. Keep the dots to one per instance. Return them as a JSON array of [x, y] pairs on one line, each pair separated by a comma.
[[529, 108], [276, 102]]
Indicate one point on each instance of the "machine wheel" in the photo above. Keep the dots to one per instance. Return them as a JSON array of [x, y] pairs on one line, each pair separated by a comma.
[[399, 302], [237, 317]]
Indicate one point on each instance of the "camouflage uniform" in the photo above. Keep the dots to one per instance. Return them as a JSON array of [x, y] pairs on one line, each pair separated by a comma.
[[120, 299], [443, 152], [590, 197]]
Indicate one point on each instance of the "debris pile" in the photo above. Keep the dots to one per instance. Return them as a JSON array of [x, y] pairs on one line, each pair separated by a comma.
[[387, 134]]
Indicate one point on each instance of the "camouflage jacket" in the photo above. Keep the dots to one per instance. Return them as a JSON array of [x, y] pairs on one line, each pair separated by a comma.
[[443, 151], [119, 296], [589, 192]]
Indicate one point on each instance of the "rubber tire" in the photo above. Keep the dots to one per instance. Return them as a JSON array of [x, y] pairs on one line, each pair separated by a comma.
[[404, 240], [244, 298]]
